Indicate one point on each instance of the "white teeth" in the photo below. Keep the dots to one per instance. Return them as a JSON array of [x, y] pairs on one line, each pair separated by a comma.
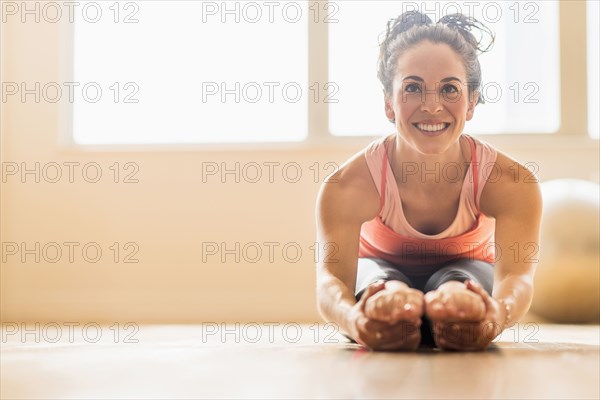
[[431, 128]]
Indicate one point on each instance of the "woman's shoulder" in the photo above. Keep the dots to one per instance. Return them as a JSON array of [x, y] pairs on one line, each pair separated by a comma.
[[484, 150], [351, 189], [511, 172], [511, 184]]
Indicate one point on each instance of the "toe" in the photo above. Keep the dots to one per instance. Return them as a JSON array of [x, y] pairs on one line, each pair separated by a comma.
[[435, 310]]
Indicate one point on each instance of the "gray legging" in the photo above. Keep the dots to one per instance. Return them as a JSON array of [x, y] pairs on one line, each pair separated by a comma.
[[371, 270]]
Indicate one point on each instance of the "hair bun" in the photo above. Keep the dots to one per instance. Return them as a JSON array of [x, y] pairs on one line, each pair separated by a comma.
[[466, 25], [405, 21]]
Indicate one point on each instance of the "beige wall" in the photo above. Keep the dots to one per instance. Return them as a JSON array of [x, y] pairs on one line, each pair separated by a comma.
[[169, 213]]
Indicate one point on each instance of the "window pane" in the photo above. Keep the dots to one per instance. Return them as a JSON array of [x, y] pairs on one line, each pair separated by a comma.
[[593, 11], [520, 77], [190, 71]]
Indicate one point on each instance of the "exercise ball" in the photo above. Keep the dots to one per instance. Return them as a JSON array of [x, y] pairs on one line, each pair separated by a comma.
[[567, 279]]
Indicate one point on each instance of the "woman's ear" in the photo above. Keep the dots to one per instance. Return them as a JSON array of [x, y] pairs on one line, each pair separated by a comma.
[[389, 111], [473, 99]]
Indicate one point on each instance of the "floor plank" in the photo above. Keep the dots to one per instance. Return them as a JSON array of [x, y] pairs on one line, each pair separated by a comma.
[[538, 361]]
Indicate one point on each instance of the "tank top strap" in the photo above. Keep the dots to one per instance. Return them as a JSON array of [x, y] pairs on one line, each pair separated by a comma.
[[383, 185], [474, 168]]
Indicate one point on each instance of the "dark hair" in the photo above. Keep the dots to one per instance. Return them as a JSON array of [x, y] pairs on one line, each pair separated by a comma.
[[413, 27]]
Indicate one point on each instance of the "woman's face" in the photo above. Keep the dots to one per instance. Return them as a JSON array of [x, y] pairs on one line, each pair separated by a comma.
[[430, 101]]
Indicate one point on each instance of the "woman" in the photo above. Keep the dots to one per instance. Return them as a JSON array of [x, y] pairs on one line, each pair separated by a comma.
[[436, 231]]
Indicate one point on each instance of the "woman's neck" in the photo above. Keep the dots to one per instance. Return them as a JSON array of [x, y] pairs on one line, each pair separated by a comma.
[[409, 165]]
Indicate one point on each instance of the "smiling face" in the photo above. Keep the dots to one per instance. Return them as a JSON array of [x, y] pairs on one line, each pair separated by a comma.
[[430, 101]]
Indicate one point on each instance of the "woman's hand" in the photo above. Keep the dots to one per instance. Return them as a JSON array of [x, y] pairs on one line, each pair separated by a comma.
[[379, 335], [472, 335]]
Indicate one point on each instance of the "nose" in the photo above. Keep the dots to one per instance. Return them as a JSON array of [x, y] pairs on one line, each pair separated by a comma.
[[430, 102]]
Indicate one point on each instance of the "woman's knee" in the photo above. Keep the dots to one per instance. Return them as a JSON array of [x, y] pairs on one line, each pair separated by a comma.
[[371, 270], [461, 270]]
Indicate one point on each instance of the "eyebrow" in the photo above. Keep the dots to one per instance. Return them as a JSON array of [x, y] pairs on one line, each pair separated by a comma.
[[418, 78]]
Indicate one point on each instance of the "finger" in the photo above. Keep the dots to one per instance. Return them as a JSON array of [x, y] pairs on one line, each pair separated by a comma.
[[444, 344], [370, 291], [397, 337], [415, 298], [461, 334], [373, 288], [397, 331], [404, 328], [477, 288], [430, 296], [370, 331], [372, 325], [415, 292], [452, 343], [375, 338], [414, 307], [448, 331]]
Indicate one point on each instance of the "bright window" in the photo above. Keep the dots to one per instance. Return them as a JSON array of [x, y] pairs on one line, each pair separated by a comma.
[[238, 72], [520, 77], [190, 71]]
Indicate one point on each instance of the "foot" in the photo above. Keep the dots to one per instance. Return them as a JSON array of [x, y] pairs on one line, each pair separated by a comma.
[[453, 302], [397, 302], [401, 307]]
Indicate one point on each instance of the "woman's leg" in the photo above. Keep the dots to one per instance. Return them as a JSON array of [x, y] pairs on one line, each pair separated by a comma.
[[455, 271], [371, 270], [446, 297], [461, 270], [391, 303]]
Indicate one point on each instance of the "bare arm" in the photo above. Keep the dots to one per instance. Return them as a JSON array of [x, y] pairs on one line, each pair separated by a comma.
[[342, 207], [517, 205], [338, 227]]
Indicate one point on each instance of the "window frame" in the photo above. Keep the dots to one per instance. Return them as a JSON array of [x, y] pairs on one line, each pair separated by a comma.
[[573, 132]]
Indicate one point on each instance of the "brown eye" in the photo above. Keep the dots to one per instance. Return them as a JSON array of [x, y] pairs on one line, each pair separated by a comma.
[[412, 88], [449, 89], [451, 92]]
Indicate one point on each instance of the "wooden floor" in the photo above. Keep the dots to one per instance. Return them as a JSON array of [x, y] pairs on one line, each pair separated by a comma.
[[269, 361]]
